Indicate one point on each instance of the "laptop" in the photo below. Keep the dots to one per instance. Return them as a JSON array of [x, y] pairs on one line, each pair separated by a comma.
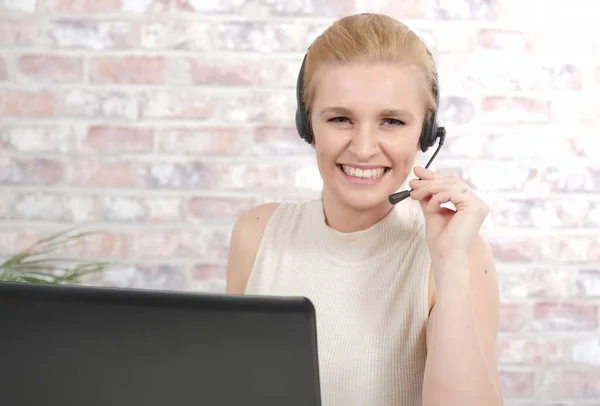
[[73, 345]]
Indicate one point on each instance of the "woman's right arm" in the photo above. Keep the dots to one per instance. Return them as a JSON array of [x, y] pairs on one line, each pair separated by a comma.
[[245, 240]]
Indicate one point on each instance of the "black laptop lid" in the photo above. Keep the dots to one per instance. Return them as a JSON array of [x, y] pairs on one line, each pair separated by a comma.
[[92, 346]]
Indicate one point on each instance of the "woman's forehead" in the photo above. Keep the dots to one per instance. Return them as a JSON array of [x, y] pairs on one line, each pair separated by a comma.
[[375, 85]]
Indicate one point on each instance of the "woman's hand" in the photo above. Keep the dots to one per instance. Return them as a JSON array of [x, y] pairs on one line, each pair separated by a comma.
[[449, 233]]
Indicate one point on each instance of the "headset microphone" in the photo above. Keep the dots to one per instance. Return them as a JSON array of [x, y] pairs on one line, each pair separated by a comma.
[[399, 196]]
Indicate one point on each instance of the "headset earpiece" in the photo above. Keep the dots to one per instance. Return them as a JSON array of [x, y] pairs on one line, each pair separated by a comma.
[[431, 132], [302, 118]]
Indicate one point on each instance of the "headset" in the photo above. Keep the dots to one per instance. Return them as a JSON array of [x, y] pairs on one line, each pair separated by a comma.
[[430, 133]]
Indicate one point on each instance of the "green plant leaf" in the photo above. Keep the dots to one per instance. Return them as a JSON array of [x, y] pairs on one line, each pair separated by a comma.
[[41, 262], [31, 279]]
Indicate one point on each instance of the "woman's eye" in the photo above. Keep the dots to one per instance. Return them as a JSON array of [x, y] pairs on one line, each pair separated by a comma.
[[393, 122], [338, 120]]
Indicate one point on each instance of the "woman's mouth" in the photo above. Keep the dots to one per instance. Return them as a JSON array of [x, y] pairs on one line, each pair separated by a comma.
[[362, 175]]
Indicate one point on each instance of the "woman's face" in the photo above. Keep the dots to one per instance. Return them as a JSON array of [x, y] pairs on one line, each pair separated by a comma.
[[366, 120]]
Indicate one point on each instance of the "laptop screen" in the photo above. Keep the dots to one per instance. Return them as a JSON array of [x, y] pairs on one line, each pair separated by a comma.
[[101, 346]]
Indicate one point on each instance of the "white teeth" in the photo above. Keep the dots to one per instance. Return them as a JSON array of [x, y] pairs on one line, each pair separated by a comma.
[[363, 173]]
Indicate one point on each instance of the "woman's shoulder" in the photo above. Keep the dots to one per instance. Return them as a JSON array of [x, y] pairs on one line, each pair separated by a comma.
[[243, 246], [254, 221], [257, 219], [247, 234]]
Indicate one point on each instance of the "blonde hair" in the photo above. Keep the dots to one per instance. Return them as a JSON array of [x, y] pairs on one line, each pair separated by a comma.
[[369, 38]]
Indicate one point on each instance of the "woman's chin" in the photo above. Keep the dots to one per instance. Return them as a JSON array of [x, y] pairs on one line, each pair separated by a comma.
[[365, 199]]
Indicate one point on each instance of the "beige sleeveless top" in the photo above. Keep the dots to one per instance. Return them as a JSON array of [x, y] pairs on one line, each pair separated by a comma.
[[370, 291]]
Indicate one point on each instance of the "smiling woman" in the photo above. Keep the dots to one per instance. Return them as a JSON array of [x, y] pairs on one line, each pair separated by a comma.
[[406, 296]]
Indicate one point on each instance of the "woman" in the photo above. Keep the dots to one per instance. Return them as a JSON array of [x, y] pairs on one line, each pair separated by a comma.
[[406, 296]]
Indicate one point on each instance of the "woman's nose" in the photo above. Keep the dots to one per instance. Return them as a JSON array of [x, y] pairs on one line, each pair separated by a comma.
[[364, 142]]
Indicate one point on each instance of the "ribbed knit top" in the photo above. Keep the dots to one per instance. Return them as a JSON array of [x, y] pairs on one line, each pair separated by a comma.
[[370, 291]]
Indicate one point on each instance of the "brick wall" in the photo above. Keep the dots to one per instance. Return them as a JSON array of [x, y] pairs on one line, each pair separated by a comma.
[[158, 121]]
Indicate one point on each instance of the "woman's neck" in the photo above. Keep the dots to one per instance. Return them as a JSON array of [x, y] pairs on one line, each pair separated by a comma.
[[345, 219]]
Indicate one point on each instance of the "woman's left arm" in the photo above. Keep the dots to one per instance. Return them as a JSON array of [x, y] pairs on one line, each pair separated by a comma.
[[463, 324], [461, 332]]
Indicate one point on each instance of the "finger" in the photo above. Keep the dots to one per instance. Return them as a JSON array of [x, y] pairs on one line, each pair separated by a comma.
[[423, 173], [435, 203], [447, 179], [420, 183], [425, 188]]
